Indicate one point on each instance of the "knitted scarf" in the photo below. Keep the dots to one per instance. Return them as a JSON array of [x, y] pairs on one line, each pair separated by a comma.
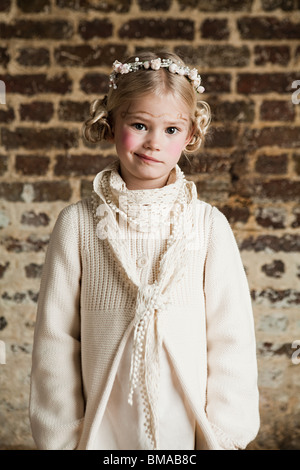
[[147, 210]]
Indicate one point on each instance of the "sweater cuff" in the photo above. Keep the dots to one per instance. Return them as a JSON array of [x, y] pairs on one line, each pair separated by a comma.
[[224, 441]]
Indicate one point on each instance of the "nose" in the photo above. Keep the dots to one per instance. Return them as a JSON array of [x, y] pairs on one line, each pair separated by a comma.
[[152, 141]]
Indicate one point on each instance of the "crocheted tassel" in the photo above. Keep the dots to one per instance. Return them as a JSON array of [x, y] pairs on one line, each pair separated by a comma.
[[152, 379]]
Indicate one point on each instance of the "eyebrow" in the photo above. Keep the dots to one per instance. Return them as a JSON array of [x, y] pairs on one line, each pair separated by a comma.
[[142, 113]]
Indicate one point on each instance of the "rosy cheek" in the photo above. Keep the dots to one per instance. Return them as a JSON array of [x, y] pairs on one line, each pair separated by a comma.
[[176, 148], [127, 139]]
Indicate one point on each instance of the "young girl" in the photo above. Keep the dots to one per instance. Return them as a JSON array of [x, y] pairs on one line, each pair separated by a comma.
[[144, 336]]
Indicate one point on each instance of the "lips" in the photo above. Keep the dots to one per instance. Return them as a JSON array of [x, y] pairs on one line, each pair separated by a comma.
[[147, 158]]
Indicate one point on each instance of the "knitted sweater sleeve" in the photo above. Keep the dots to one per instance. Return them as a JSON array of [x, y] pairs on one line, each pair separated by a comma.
[[232, 394], [56, 399]]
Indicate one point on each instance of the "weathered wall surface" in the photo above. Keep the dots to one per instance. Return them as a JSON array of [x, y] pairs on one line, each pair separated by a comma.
[[54, 59]]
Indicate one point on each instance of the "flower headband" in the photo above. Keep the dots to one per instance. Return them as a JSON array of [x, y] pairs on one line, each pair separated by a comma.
[[155, 64]]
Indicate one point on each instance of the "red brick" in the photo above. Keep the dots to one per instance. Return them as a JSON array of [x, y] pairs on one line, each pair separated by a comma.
[[5, 5], [76, 111], [6, 115], [11, 191], [32, 164], [33, 139], [215, 55], [34, 6], [29, 29], [4, 56], [285, 5], [274, 269], [296, 158], [99, 28], [276, 189], [3, 268], [221, 137], [86, 188], [213, 189], [33, 270], [276, 165], [232, 111], [32, 84], [157, 5], [287, 296], [36, 220], [3, 164], [33, 57], [236, 213], [283, 189], [215, 29], [264, 55], [296, 222], [20, 297], [265, 82], [216, 82], [277, 110], [205, 163], [268, 27], [280, 136], [84, 164], [89, 56], [116, 6], [41, 111], [216, 5], [3, 323], [30, 244], [166, 28], [271, 217], [52, 191], [287, 243], [95, 83], [42, 191]]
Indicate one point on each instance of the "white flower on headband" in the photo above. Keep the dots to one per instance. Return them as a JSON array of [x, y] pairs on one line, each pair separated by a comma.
[[173, 68], [116, 66], [124, 68], [155, 64], [193, 74]]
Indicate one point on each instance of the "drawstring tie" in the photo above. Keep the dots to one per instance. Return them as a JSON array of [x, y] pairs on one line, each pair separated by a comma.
[[145, 357]]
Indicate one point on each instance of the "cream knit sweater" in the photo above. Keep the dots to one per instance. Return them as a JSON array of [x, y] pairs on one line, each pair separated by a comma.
[[194, 300]]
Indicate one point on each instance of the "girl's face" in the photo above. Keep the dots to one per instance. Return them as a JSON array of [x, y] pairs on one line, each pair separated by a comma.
[[150, 134]]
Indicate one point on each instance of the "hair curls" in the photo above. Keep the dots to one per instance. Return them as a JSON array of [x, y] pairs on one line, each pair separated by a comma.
[[129, 86], [98, 127], [201, 122]]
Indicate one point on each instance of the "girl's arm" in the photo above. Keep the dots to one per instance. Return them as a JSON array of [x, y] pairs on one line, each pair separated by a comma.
[[232, 394], [56, 398]]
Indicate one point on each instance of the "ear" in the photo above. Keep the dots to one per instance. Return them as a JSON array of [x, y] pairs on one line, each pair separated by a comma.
[[190, 136], [111, 138]]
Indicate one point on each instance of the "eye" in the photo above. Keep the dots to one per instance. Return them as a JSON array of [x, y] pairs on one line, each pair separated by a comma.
[[172, 130], [139, 126]]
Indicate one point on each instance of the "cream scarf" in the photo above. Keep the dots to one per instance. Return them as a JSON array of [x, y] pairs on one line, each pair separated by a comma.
[[147, 210]]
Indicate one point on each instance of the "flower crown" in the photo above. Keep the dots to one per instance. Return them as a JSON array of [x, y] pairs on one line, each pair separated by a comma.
[[191, 74]]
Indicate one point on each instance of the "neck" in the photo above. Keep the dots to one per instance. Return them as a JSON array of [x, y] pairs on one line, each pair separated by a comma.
[[133, 183]]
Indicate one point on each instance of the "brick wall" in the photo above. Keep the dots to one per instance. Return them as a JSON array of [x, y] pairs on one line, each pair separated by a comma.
[[54, 59]]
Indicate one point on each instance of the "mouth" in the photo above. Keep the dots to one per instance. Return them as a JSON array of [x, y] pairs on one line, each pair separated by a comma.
[[146, 158]]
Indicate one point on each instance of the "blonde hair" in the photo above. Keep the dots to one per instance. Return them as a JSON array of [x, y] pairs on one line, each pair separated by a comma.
[[129, 86]]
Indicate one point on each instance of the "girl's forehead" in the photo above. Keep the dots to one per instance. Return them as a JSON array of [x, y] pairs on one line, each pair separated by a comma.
[[156, 106]]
